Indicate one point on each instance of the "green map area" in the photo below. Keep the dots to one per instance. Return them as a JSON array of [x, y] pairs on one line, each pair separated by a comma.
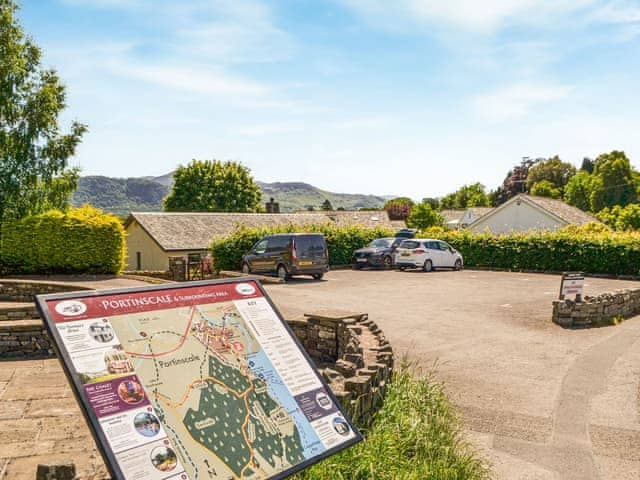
[[219, 416]]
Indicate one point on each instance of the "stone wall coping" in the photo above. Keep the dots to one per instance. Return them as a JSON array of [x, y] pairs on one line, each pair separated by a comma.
[[28, 281], [21, 325], [334, 315]]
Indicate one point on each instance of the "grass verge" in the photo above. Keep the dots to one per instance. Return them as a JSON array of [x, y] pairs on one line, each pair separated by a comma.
[[415, 436]]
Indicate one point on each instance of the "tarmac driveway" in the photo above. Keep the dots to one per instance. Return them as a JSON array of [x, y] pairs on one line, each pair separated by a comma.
[[541, 401]]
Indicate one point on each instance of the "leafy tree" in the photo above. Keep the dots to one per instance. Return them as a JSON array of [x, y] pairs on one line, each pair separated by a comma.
[[398, 208], [213, 186], [515, 181], [340, 209], [423, 216], [311, 208], [544, 188], [467, 196], [577, 192], [618, 183], [33, 153], [553, 170], [621, 218], [434, 202], [587, 165], [326, 205]]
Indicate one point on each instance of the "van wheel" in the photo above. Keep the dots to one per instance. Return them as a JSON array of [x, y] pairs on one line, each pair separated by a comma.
[[428, 266], [458, 265], [282, 273], [402, 269], [246, 269], [317, 276]]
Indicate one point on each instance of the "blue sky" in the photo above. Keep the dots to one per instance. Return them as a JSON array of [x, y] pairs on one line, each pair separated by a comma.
[[413, 97]]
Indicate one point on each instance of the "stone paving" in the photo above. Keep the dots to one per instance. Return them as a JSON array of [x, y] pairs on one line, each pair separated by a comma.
[[40, 422]]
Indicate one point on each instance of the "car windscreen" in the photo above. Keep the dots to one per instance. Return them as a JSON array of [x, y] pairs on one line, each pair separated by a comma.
[[381, 243], [310, 245], [409, 244]]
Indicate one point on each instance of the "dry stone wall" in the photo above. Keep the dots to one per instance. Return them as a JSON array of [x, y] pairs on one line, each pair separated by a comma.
[[354, 357], [25, 291], [604, 309]]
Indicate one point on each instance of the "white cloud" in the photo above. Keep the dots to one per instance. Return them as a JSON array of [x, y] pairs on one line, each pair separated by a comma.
[[489, 16], [517, 101]]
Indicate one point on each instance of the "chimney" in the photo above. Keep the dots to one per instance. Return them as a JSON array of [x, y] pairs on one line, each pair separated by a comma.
[[272, 206]]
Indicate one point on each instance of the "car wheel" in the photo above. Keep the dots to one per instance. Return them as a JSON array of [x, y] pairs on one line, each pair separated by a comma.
[[428, 266], [387, 261], [317, 276], [458, 265], [357, 266], [246, 269], [282, 273], [402, 269]]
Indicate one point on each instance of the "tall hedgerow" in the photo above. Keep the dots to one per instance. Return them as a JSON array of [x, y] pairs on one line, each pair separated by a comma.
[[81, 240], [227, 252], [592, 248]]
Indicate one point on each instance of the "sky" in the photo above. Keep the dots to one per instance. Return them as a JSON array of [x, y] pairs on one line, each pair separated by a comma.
[[410, 97]]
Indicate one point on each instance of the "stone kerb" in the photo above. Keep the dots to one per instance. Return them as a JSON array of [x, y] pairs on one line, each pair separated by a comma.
[[26, 290], [352, 354], [604, 309]]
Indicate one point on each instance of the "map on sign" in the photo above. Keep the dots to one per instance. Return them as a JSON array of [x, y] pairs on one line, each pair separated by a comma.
[[199, 382]]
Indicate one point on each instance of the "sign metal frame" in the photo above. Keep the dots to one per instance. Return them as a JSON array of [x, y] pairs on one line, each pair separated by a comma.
[[90, 416]]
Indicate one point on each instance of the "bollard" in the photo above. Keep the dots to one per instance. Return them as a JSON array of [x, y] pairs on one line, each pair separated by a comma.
[[65, 471]]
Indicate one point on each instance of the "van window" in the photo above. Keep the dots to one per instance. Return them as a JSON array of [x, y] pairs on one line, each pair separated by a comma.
[[276, 244], [260, 247], [310, 245]]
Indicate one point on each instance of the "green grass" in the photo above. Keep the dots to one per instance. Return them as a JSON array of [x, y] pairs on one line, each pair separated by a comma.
[[415, 436]]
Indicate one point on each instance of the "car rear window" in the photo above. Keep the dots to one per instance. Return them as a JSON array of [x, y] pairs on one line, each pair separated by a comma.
[[310, 244], [409, 244]]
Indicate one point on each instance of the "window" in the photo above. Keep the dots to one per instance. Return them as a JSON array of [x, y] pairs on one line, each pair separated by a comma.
[[138, 261], [444, 246], [260, 247], [276, 244], [410, 244], [310, 244], [432, 245]]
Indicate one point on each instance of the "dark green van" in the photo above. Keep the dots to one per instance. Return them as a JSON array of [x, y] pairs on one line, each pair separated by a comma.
[[288, 254]]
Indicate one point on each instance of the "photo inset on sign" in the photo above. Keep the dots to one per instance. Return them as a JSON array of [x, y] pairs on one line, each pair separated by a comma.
[[146, 424], [117, 362], [130, 392], [164, 459], [101, 331]]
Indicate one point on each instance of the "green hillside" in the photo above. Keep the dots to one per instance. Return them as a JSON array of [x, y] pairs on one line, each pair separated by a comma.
[[124, 195]]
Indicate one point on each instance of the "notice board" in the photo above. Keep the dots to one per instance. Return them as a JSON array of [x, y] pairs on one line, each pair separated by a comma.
[[194, 381]]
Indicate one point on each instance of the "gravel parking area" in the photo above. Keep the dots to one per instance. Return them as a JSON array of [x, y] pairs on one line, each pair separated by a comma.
[[542, 402]]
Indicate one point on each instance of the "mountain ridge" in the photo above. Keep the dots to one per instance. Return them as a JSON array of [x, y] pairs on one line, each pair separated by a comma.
[[124, 195]]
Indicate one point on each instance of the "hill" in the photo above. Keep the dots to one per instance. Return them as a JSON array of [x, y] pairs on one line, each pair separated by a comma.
[[123, 195]]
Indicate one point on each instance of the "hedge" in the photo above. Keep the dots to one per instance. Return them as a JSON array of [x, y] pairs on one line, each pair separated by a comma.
[[227, 252], [83, 240], [592, 249]]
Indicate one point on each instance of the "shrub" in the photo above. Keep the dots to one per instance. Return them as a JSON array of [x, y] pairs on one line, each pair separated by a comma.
[[415, 436], [591, 249], [82, 240], [227, 252]]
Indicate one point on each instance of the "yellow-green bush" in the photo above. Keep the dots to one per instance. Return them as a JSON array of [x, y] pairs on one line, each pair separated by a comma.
[[82, 240], [591, 249], [227, 252]]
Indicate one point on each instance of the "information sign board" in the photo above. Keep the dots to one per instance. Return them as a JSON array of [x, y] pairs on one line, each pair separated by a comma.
[[194, 381], [571, 285]]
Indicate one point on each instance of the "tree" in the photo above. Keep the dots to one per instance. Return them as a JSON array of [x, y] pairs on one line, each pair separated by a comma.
[[467, 196], [618, 183], [553, 170], [621, 218], [433, 202], [326, 205], [398, 208], [423, 216], [577, 192], [544, 188], [515, 181], [213, 186], [587, 165], [33, 153]]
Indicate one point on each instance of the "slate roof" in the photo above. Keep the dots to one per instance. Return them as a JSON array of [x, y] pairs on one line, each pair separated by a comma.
[[370, 219], [568, 213], [194, 231], [480, 212], [452, 216]]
